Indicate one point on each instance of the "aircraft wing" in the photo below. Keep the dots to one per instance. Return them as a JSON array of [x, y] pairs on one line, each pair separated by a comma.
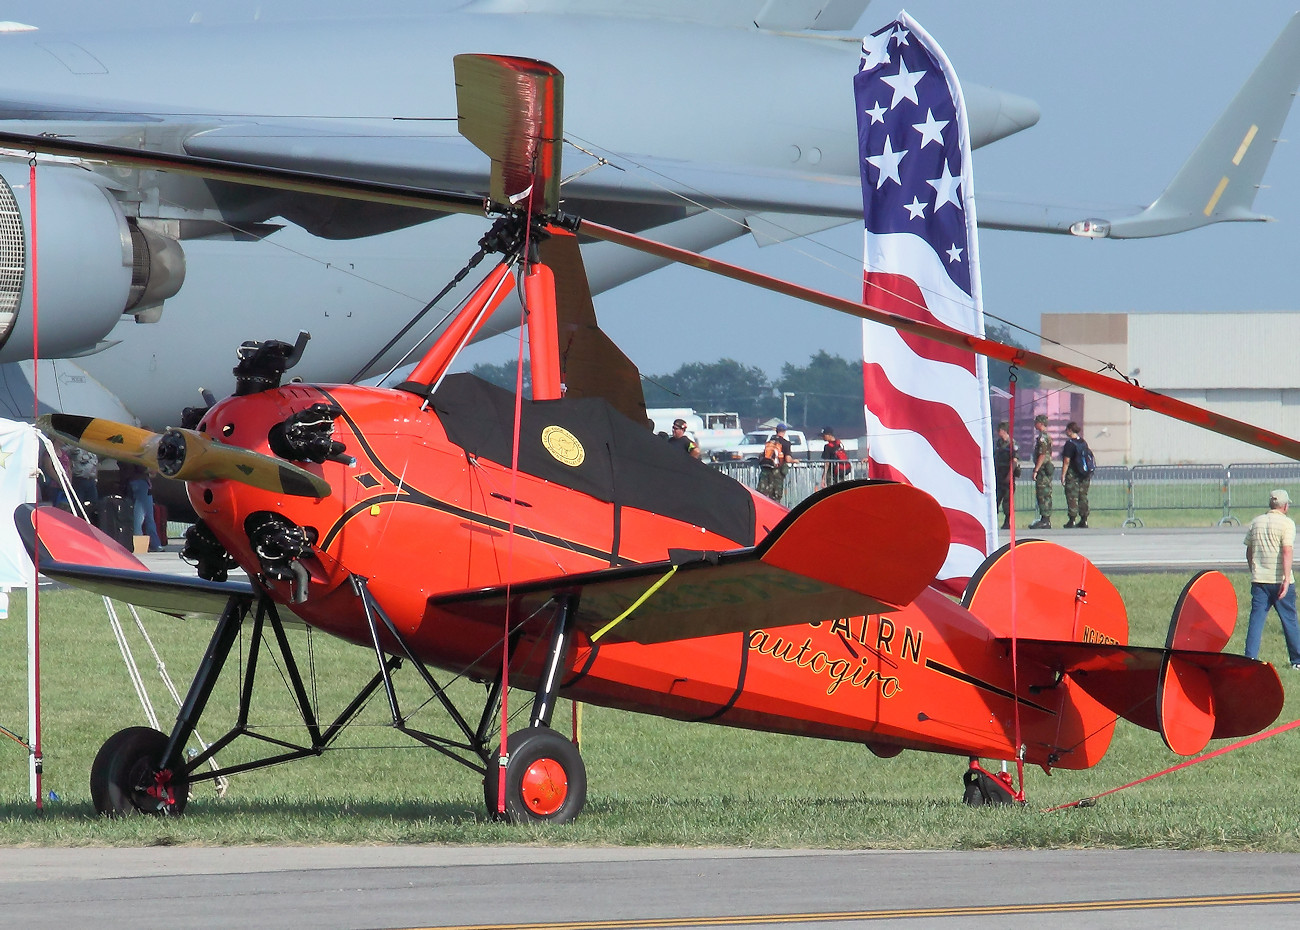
[[76, 553], [438, 160], [857, 548]]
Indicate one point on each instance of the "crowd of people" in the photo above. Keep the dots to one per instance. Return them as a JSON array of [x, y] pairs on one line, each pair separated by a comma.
[[1077, 467], [81, 468]]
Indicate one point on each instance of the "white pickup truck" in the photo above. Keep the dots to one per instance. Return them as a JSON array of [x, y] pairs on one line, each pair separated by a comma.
[[751, 448], [804, 449]]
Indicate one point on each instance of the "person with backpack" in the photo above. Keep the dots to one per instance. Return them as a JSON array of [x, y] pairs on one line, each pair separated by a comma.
[[836, 458], [1077, 466], [776, 461]]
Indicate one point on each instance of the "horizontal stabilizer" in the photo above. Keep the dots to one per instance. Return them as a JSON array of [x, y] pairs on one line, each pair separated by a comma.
[[1246, 694], [857, 548], [76, 553]]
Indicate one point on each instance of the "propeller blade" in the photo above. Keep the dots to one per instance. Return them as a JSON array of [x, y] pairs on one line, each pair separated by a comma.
[[183, 454], [284, 179], [512, 109], [1140, 397], [188, 455], [103, 437]]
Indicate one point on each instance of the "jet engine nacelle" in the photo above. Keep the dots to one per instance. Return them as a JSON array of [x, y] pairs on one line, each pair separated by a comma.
[[93, 264]]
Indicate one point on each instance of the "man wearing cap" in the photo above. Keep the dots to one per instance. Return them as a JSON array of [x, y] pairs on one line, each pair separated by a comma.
[[682, 441], [837, 465], [777, 459], [1043, 472], [1270, 545]]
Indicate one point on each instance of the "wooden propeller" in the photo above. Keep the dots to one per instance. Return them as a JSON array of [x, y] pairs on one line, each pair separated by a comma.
[[183, 454]]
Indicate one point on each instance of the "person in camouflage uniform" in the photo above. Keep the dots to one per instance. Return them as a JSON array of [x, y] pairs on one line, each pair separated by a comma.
[[1043, 472], [1004, 455], [1076, 483]]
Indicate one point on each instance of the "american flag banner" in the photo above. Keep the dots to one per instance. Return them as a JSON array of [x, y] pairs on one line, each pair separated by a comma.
[[927, 405]]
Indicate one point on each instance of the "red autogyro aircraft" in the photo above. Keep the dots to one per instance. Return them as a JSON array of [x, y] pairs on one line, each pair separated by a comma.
[[556, 544]]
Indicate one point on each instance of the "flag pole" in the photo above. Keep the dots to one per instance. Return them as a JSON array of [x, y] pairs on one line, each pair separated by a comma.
[[31, 464], [34, 459]]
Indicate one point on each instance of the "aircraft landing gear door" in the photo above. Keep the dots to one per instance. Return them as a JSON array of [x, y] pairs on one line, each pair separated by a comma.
[[546, 780]]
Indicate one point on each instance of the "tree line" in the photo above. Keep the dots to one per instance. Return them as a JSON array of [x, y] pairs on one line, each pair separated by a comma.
[[827, 391]]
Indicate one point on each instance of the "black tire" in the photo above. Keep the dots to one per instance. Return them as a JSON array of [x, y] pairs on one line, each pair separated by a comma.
[[126, 769], [983, 791], [546, 780]]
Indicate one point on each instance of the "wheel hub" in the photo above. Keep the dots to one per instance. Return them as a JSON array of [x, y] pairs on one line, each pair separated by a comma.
[[544, 787]]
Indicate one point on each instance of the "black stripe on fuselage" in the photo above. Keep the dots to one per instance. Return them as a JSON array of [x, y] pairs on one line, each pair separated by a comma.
[[984, 685], [418, 498]]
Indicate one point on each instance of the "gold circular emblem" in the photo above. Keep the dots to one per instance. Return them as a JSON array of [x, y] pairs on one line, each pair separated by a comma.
[[563, 446]]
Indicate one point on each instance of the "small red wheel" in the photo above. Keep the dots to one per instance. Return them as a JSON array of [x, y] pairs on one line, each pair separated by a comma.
[[546, 781]]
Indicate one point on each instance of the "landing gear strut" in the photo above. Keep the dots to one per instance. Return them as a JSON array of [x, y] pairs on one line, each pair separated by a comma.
[[545, 779], [141, 770]]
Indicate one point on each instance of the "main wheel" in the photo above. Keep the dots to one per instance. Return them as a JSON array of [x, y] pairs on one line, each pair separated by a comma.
[[546, 781], [125, 778]]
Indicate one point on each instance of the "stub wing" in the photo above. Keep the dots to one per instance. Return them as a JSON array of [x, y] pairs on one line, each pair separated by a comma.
[[858, 548], [76, 553]]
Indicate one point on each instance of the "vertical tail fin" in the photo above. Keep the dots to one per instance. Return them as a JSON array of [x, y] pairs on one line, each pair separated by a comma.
[[1219, 181]]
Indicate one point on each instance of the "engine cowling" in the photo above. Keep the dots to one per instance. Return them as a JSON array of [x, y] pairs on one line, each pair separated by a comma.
[[93, 262]]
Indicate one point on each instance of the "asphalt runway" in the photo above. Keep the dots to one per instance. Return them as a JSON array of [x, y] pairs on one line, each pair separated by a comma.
[[562, 887], [1187, 549]]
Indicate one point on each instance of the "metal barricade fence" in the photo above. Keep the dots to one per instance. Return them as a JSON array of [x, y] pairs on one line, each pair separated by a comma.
[[1181, 487], [1141, 489], [800, 481], [1250, 484]]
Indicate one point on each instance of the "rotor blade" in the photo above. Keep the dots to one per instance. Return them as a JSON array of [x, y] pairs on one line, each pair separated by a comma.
[[1140, 397], [280, 179], [377, 192], [592, 364], [512, 109], [183, 454]]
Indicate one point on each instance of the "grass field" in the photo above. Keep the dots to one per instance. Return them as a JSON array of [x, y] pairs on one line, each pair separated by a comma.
[[651, 781]]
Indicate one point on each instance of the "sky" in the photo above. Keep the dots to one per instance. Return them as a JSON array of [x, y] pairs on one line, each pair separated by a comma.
[[1126, 91]]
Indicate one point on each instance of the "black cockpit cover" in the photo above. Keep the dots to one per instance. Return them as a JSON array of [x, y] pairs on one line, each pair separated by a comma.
[[622, 462]]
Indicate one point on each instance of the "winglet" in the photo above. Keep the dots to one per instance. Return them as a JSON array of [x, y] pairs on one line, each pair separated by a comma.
[[1219, 181]]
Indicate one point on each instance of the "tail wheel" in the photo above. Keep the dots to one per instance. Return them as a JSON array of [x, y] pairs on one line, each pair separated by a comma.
[[125, 778], [546, 781]]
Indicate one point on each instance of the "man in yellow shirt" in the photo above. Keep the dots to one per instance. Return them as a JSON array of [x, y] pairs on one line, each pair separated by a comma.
[[1270, 546]]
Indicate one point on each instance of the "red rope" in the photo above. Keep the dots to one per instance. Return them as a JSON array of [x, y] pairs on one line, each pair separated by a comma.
[[510, 544], [1088, 802], [1019, 793], [36, 553]]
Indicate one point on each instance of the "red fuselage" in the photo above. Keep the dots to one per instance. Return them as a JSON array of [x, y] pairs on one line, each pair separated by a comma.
[[420, 516]]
